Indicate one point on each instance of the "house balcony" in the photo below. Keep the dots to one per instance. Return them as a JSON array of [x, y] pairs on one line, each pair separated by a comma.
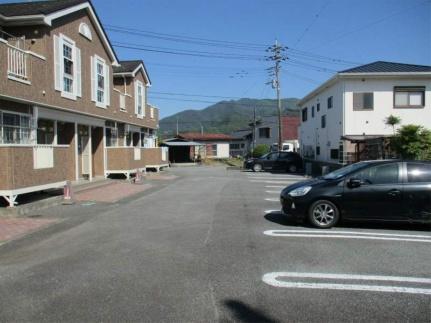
[[29, 168], [129, 160]]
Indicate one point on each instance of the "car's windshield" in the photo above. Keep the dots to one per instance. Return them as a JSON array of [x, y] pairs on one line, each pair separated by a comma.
[[344, 171], [264, 156]]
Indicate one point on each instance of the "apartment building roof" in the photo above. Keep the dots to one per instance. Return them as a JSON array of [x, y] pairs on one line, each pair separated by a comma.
[[36, 7], [44, 12], [130, 68]]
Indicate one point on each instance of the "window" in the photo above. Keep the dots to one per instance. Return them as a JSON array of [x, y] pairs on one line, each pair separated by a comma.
[[45, 132], [363, 101], [15, 128], [330, 102], [213, 150], [405, 97], [312, 111], [382, 174], [317, 150], [264, 132], [334, 153], [234, 146], [323, 121], [304, 114], [318, 107], [67, 67], [111, 134], [100, 82], [139, 99], [272, 156], [418, 173]]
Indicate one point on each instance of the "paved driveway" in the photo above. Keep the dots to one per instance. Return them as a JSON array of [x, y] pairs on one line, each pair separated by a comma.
[[211, 247]]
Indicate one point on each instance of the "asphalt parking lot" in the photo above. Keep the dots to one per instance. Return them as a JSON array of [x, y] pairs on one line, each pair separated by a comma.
[[212, 246]]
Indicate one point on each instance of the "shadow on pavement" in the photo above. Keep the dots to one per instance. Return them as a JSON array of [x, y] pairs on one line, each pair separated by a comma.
[[280, 218], [244, 313], [286, 220]]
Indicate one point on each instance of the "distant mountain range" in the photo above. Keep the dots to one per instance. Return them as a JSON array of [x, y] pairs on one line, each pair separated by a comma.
[[225, 116]]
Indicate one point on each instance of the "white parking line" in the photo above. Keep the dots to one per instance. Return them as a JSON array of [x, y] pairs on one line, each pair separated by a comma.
[[273, 192], [272, 199], [272, 280], [275, 186], [348, 235]]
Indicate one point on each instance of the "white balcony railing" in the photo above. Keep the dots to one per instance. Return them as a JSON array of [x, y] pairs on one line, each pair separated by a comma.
[[17, 63]]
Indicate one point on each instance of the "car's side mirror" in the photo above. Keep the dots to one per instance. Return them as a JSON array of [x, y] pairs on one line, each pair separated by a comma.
[[354, 182]]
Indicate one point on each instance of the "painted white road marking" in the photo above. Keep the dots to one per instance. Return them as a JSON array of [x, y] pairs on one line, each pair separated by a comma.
[[348, 235], [275, 186], [272, 199], [273, 192], [272, 279]]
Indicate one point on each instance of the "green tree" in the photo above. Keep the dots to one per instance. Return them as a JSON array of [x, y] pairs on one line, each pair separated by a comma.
[[392, 121], [412, 142], [260, 150]]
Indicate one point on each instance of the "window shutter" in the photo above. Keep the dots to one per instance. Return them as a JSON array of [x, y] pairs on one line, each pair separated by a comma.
[[57, 63], [78, 72], [136, 98], [107, 88], [93, 79]]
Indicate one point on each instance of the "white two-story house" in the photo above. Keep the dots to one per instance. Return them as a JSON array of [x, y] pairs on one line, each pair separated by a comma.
[[343, 120]]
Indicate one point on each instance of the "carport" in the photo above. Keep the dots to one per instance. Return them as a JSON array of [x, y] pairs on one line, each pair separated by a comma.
[[183, 151]]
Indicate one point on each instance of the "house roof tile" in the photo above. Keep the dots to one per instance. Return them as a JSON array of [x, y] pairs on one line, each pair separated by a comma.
[[388, 67]]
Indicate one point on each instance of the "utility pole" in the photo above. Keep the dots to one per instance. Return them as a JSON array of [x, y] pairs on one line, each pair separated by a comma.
[[177, 126], [277, 56], [202, 128]]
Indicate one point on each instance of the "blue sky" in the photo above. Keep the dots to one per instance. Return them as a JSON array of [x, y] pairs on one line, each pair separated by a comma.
[[353, 31]]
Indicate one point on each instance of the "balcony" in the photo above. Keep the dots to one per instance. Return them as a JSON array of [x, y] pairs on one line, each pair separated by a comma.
[[128, 160], [29, 168], [17, 64]]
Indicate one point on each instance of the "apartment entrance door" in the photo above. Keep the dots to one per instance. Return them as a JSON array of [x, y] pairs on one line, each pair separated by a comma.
[[84, 150]]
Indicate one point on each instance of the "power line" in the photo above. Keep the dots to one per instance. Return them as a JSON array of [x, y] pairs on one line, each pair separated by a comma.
[[198, 95], [182, 53], [186, 39], [370, 24], [315, 18]]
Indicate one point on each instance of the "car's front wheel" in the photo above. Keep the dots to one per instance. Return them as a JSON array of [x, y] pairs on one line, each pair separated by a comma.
[[323, 214], [257, 167]]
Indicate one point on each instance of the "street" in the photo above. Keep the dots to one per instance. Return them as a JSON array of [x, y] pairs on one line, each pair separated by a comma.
[[211, 246]]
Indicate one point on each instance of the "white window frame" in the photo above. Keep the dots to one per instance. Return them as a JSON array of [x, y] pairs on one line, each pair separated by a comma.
[[140, 99], [95, 82], [30, 127], [64, 40]]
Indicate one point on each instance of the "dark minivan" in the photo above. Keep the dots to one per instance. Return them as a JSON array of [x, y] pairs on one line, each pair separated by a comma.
[[275, 161], [390, 190]]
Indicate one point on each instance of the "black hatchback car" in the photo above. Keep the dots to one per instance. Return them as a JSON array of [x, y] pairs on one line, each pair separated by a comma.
[[373, 190], [276, 161]]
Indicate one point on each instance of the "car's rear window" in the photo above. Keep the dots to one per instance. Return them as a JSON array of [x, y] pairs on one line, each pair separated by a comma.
[[418, 173]]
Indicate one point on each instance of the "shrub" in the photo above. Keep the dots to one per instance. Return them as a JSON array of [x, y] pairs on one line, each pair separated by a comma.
[[412, 142], [260, 150]]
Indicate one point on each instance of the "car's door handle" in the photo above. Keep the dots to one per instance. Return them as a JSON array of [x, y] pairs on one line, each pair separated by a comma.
[[394, 193]]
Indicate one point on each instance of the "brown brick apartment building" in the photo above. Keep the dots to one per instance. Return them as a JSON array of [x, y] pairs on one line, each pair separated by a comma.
[[69, 109]]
